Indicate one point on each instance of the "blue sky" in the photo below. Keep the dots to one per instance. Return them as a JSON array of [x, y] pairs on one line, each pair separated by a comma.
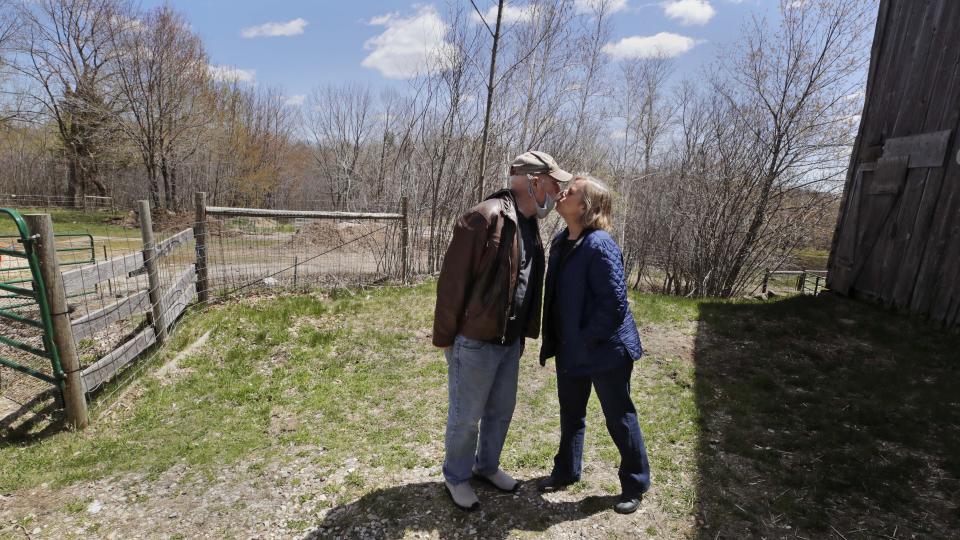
[[327, 41]]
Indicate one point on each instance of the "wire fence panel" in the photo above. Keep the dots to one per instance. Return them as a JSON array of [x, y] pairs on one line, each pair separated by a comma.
[[84, 202], [250, 249], [115, 312]]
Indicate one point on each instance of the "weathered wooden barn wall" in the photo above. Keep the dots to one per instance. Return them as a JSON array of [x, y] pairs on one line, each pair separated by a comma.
[[898, 236]]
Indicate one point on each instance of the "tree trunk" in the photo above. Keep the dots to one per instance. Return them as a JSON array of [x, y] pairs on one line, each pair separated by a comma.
[[486, 118]]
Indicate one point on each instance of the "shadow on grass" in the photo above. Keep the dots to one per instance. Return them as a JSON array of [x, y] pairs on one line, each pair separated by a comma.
[[34, 421], [425, 507], [826, 417]]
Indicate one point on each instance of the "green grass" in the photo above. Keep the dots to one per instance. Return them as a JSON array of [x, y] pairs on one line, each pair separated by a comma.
[[804, 412], [662, 309], [812, 259], [97, 223]]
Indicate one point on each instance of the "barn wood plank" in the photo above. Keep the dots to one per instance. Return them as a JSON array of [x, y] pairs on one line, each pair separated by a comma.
[[842, 256], [76, 281], [864, 139], [945, 286], [938, 215], [909, 64], [925, 150], [167, 246], [900, 236], [878, 203], [164, 248], [941, 114], [890, 84], [102, 370], [98, 320], [179, 294]]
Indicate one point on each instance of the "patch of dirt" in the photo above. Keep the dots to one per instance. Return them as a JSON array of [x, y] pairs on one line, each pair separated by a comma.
[[669, 341], [282, 421], [169, 222], [289, 492], [326, 233], [297, 498], [171, 371]]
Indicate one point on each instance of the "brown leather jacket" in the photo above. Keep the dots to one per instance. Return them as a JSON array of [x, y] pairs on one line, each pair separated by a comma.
[[478, 279]]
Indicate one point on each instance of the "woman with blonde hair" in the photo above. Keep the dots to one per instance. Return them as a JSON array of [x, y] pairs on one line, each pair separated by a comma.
[[588, 327]]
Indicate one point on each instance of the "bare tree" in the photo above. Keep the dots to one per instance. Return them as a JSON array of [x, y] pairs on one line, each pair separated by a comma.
[[65, 50], [495, 34], [8, 27], [340, 120], [789, 89], [161, 68]]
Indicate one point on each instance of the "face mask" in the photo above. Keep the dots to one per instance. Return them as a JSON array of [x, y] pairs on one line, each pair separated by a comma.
[[548, 203]]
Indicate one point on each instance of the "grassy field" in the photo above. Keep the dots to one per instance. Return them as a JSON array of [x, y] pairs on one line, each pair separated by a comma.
[[322, 415], [101, 223]]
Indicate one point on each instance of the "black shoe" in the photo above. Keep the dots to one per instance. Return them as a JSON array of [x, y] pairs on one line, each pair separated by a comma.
[[627, 504], [552, 483]]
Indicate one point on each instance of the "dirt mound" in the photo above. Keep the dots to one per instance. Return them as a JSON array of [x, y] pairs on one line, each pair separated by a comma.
[[262, 223], [163, 220], [334, 233]]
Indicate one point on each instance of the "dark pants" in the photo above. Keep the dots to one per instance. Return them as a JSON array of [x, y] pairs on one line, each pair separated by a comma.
[[613, 390]]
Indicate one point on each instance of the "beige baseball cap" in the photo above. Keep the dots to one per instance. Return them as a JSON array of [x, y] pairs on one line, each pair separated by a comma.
[[537, 162]]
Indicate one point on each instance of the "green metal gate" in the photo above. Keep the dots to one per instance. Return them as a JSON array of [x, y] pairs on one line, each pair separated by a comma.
[[26, 327]]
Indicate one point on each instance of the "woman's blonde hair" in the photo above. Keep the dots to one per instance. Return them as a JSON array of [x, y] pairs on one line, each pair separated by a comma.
[[598, 203]]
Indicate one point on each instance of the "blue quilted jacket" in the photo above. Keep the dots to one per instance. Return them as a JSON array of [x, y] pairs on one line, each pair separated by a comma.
[[597, 331]]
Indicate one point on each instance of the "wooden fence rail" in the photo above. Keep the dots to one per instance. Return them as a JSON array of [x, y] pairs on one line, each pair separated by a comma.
[[819, 278], [164, 306]]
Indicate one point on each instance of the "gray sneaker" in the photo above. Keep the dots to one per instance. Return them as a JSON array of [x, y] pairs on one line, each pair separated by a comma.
[[462, 495], [500, 480]]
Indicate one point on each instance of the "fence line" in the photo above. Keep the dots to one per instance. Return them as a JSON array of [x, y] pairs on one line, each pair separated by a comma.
[[124, 292], [242, 248], [802, 277], [81, 202]]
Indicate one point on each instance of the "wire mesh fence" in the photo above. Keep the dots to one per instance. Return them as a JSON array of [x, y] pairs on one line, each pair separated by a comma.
[[81, 202], [119, 309], [247, 253]]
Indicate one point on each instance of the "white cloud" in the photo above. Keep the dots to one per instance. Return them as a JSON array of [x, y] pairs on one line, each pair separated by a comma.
[[589, 6], [511, 14], [231, 74], [271, 29], [663, 44], [295, 100], [689, 12], [409, 45]]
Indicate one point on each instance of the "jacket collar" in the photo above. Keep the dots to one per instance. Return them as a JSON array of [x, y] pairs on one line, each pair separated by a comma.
[[563, 236], [508, 203]]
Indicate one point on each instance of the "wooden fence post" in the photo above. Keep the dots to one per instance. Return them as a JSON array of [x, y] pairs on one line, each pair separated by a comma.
[[200, 234], [153, 276], [41, 226], [766, 281], [405, 240]]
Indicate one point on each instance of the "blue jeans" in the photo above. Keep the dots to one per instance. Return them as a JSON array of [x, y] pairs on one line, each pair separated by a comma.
[[613, 390], [482, 388]]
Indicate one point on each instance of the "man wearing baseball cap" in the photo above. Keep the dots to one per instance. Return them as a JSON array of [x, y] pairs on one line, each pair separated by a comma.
[[488, 302]]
